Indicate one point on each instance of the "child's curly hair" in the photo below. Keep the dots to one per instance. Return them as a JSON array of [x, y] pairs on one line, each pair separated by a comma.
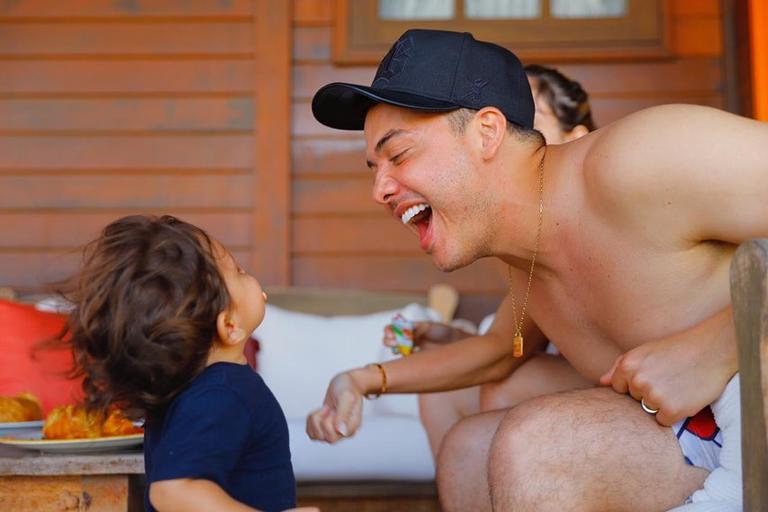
[[146, 302]]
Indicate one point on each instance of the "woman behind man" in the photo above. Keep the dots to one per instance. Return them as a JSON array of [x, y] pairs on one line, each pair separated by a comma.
[[562, 114]]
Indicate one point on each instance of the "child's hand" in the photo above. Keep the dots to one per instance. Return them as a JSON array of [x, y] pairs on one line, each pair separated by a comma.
[[423, 332], [428, 333], [342, 412]]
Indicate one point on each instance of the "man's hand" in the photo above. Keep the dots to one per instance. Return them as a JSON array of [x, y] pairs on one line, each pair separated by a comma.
[[678, 376], [341, 413]]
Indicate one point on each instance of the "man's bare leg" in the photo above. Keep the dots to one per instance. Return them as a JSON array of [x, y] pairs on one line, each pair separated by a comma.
[[462, 465], [542, 374], [441, 411], [586, 450], [462, 462]]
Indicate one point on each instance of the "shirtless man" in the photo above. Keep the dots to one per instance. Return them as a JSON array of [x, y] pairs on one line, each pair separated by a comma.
[[632, 228]]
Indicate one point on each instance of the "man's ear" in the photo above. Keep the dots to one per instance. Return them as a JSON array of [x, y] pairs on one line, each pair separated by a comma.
[[491, 126], [229, 333]]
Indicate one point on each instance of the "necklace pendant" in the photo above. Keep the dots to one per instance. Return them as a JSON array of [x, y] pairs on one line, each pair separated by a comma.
[[517, 346]]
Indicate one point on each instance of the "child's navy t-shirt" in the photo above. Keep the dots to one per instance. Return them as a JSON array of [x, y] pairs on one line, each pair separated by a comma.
[[227, 427]]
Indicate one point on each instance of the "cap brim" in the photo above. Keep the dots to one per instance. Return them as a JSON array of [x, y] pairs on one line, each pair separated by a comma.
[[344, 106]]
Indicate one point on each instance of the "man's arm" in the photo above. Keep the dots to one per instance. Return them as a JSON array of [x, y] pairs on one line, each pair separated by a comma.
[[683, 175], [681, 374], [464, 363], [686, 172]]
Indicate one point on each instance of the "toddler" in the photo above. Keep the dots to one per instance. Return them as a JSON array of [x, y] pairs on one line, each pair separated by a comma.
[[162, 314]]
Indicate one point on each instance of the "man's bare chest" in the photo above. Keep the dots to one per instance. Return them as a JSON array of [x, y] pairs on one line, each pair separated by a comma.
[[616, 297]]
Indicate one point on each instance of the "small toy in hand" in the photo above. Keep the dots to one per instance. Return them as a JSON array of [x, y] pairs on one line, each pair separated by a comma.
[[402, 328]]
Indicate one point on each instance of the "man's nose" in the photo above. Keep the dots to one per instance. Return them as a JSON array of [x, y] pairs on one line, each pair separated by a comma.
[[384, 188]]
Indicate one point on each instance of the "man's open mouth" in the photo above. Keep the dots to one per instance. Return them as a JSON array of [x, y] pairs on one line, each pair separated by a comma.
[[419, 216], [416, 214]]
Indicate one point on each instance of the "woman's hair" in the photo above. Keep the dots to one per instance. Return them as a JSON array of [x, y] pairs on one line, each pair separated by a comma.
[[568, 100], [146, 302]]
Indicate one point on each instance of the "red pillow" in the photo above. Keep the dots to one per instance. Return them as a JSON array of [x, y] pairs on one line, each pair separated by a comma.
[[42, 374]]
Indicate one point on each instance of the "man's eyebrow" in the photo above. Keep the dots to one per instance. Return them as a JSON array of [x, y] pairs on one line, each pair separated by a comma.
[[382, 141]]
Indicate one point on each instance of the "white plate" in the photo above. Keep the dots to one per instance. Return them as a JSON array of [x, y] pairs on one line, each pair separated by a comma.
[[16, 425], [97, 444]]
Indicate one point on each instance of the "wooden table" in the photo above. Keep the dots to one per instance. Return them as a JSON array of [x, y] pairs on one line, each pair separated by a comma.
[[38, 482]]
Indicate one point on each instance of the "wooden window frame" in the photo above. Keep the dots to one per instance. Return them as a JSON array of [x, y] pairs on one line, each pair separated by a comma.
[[360, 38]]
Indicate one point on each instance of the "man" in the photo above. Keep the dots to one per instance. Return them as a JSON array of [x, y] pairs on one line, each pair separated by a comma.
[[618, 246]]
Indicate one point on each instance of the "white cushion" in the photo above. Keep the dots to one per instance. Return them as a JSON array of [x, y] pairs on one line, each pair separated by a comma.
[[486, 323], [385, 448], [300, 353]]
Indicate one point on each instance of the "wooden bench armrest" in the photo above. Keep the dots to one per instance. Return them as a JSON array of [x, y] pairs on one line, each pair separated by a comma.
[[749, 295]]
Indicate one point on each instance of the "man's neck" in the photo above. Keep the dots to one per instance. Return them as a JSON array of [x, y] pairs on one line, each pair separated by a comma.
[[519, 228]]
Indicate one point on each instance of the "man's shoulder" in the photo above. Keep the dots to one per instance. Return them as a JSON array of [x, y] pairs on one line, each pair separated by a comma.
[[630, 160]]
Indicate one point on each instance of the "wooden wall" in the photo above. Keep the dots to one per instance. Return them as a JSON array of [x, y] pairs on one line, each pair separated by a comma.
[[202, 109], [340, 237], [110, 108]]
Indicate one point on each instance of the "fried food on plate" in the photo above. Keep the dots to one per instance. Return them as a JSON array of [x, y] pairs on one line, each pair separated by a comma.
[[74, 422], [22, 407]]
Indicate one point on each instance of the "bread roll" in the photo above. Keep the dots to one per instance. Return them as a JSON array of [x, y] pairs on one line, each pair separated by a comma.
[[23, 407]]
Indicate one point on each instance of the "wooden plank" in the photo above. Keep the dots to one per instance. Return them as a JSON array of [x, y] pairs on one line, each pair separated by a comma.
[[271, 190], [312, 12], [140, 152], [371, 503], [234, 113], [394, 273], [120, 191], [607, 110], [126, 76], [340, 154], [683, 75], [102, 493], [66, 229], [309, 77], [695, 8], [698, 37], [111, 9], [347, 196], [136, 39], [312, 44], [336, 235], [30, 271], [749, 294], [18, 462]]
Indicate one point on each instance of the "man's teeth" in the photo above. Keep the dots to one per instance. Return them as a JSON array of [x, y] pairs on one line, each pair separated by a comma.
[[411, 212]]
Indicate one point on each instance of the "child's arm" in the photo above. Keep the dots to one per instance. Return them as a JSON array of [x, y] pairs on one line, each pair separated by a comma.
[[189, 495]]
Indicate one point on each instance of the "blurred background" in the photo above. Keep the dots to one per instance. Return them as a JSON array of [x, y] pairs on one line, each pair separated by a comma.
[[201, 109]]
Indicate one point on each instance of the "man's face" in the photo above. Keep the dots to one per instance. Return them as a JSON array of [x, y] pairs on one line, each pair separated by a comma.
[[425, 174]]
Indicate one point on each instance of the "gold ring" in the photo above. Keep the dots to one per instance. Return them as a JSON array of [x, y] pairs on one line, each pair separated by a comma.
[[646, 408]]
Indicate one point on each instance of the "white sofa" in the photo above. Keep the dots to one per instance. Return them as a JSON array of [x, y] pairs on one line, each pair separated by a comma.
[[306, 338]]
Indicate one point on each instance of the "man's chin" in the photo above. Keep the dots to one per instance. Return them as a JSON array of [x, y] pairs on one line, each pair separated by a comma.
[[447, 264]]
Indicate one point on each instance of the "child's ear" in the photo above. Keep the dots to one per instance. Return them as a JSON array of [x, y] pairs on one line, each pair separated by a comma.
[[228, 331]]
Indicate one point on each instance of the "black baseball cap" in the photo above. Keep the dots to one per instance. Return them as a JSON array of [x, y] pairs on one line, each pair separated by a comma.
[[433, 71]]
